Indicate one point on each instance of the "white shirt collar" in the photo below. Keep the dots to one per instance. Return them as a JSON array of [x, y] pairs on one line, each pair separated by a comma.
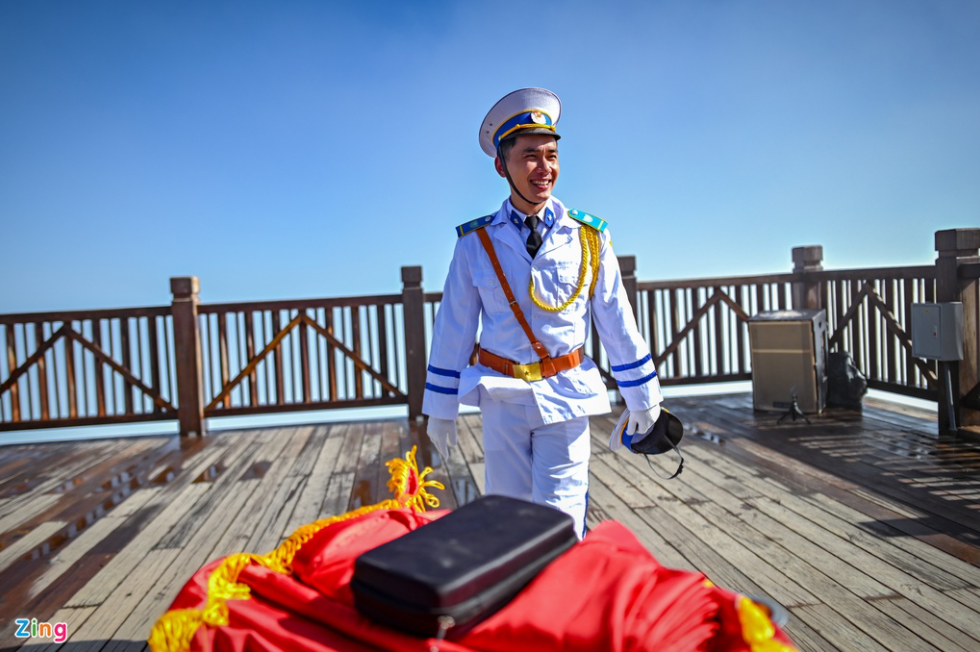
[[551, 205]]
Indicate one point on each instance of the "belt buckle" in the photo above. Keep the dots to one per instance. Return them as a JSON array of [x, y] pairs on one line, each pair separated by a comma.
[[528, 372]]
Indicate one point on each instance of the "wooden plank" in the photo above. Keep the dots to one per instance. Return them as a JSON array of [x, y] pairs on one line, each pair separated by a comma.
[[891, 342], [253, 386], [250, 524], [908, 290], [366, 491], [275, 507], [312, 441], [741, 328], [800, 539], [620, 501], [26, 510], [90, 538], [309, 507], [890, 565], [102, 624], [469, 431], [11, 366], [968, 596], [720, 339], [223, 356], [331, 355], [913, 588], [56, 377], [777, 508], [153, 340], [80, 315], [805, 638], [298, 304], [338, 496], [278, 335], [127, 363], [382, 318], [391, 438], [919, 560], [895, 496], [234, 459], [304, 361], [100, 484], [350, 450], [200, 549], [99, 369], [886, 631], [700, 312], [808, 564], [726, 543], [653, 323], [42, 375], [461, 487], [647, 532], [123, 565], [235, 537], [928, 626], [840, 633], [857, 297], [283, 504], [478, 473], [675, 319], [38, 535], [623, 488]]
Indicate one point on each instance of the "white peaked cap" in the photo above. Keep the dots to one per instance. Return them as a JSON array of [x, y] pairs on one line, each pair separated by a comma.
[[524, 111]]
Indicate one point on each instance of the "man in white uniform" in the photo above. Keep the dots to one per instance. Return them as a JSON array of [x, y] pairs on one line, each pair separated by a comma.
[[531, 272]]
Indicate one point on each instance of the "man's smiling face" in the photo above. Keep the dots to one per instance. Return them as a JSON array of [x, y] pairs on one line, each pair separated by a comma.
[[533, 166]]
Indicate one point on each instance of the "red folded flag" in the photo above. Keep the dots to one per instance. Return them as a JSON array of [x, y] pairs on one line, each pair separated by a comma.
[[606, 593]]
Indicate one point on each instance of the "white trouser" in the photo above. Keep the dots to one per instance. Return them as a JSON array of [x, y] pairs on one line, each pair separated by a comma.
[[544, 464]]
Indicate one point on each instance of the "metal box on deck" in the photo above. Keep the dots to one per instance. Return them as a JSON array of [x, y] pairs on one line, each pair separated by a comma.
[[789, 357], [937, 331]]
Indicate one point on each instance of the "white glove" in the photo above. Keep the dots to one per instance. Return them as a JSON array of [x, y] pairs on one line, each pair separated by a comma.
[[642, 421], [442, 432]]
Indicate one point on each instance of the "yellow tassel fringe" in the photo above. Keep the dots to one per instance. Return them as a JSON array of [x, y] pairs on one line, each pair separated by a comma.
[[175, 630], [590, 259], [757, 628]]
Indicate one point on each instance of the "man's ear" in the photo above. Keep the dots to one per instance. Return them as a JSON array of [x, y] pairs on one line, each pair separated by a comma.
[[499, 166]]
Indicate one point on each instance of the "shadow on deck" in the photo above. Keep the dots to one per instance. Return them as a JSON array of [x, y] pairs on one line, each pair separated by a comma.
[[865, 525]]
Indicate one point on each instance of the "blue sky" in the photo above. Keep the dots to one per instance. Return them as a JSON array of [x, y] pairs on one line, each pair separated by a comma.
[[301, 149]]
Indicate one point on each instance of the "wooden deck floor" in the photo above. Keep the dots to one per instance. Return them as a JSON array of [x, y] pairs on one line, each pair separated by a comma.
[[864, 525]]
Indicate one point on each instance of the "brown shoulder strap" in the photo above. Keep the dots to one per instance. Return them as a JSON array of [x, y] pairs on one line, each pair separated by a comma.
[[505, 286]]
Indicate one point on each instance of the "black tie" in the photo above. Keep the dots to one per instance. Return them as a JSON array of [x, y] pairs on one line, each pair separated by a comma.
[[533, 240]]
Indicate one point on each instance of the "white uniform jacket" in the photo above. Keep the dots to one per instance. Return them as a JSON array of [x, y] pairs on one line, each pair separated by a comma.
[[472, 292]]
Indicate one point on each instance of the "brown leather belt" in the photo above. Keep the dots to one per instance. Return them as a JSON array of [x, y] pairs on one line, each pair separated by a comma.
[[547, 368]]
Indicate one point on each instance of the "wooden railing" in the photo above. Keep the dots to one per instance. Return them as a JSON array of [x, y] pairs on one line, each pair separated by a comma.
[[697, 329], [192, 361], [86, 367], [301, 355], [869, 316]]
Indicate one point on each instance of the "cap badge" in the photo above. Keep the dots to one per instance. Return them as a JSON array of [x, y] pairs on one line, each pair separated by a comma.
[[538, 118]]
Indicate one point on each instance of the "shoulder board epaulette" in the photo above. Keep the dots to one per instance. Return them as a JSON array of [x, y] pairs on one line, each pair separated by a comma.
[[596, 223], [473, 225]]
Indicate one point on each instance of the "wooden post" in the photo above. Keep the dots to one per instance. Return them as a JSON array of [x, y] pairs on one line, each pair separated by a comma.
[[957, 247], [187, 354], [413, 304], [627, 269], [806, 291]]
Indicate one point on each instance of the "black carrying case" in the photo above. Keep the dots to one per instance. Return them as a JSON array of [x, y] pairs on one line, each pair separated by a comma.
[[448, 575]]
